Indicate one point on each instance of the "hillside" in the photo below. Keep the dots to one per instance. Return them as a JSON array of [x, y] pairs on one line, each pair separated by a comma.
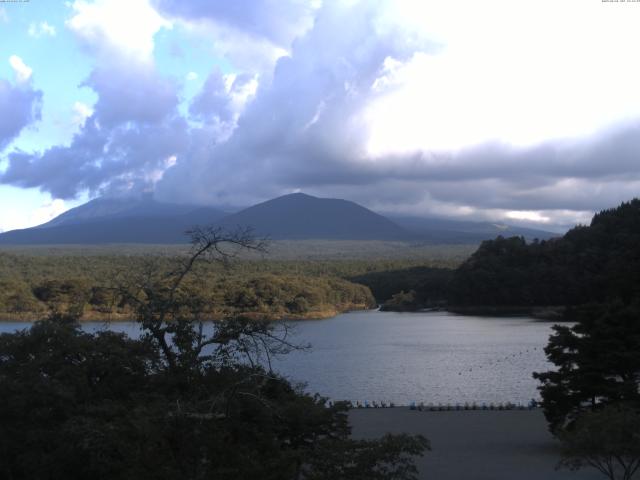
[[300, 216], [594, 263], [103, 221], [293, 217], [449, 231]]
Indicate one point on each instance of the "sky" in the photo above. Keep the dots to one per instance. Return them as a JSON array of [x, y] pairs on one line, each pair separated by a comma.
[[518, 111]]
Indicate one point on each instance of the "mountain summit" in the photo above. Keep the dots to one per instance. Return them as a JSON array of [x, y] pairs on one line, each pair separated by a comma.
[[301, 216], [296, 216]]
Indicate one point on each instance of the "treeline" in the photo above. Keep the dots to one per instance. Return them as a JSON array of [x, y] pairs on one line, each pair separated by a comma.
[[261, 295], [409, 288], [31, 285], [596, 263]]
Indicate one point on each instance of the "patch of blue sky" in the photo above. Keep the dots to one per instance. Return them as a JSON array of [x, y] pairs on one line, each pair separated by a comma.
[[59, 67]]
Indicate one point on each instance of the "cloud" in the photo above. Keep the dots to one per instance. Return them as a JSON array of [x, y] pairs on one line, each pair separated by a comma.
[[222, 98], [15, 219], [410, 109], [81, 112], [277, 21], [23, 102], [131, 92], [22, 71], [37, 30], [422, 108], [125, 29], [101, 161]]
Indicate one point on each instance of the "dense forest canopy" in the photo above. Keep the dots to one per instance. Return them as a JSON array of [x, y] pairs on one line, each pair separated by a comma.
[[33, 281], [593, 263]]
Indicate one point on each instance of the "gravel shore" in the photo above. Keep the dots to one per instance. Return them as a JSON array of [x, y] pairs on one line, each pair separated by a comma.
[[474, 445]]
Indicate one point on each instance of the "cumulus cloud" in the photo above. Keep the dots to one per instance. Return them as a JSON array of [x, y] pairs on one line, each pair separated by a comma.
[[420, 108], [112, 27], [22, 100], [448, 117], [81, 111], [123, 142], [222, 98], [277, 21], [131, 93], [101, 161]]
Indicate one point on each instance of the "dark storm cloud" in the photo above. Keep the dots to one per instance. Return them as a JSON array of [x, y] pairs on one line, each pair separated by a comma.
[[20, 106]]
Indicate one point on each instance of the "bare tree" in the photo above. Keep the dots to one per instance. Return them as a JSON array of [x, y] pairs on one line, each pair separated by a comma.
[[173, 317]]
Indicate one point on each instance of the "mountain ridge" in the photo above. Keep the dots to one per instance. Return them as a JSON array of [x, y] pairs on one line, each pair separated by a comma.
[[295, 216]]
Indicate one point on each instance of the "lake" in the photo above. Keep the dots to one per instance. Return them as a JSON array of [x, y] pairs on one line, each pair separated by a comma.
[[433, 357]]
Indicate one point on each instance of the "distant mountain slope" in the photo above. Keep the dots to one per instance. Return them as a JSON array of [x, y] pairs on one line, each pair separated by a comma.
[[300, 216], [129, 220], [442, 230], [292, 217], [104, 208]]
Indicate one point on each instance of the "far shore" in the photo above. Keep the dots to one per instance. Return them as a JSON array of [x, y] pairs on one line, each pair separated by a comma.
[[554, 313], [474, 444], [540, 312], [325, 312]]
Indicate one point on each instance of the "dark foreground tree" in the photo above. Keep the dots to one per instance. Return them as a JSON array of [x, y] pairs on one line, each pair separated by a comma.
[[187, 400], [597, 360], [607, 440]]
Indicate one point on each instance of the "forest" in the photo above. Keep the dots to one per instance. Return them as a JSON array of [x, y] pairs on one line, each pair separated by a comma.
[[34, 283], [595, 263]]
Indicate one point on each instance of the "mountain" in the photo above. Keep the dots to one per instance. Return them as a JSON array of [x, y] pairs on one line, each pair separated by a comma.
[[112, 208], [121, 220], [296, 216], [300, 216], [447, 231]]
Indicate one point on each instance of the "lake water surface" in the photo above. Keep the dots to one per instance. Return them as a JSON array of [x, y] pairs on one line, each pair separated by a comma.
[[433, 357]]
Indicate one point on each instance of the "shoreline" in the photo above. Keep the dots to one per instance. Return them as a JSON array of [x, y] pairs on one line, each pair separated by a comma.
[[539, 312], [322, 313]]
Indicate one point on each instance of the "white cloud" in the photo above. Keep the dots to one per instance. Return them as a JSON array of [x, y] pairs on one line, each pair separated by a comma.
[[192, 76], [21, 70], [515, 72], [38, 30], [48, 211], [81, 112], [19, 218], [127, 27]]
